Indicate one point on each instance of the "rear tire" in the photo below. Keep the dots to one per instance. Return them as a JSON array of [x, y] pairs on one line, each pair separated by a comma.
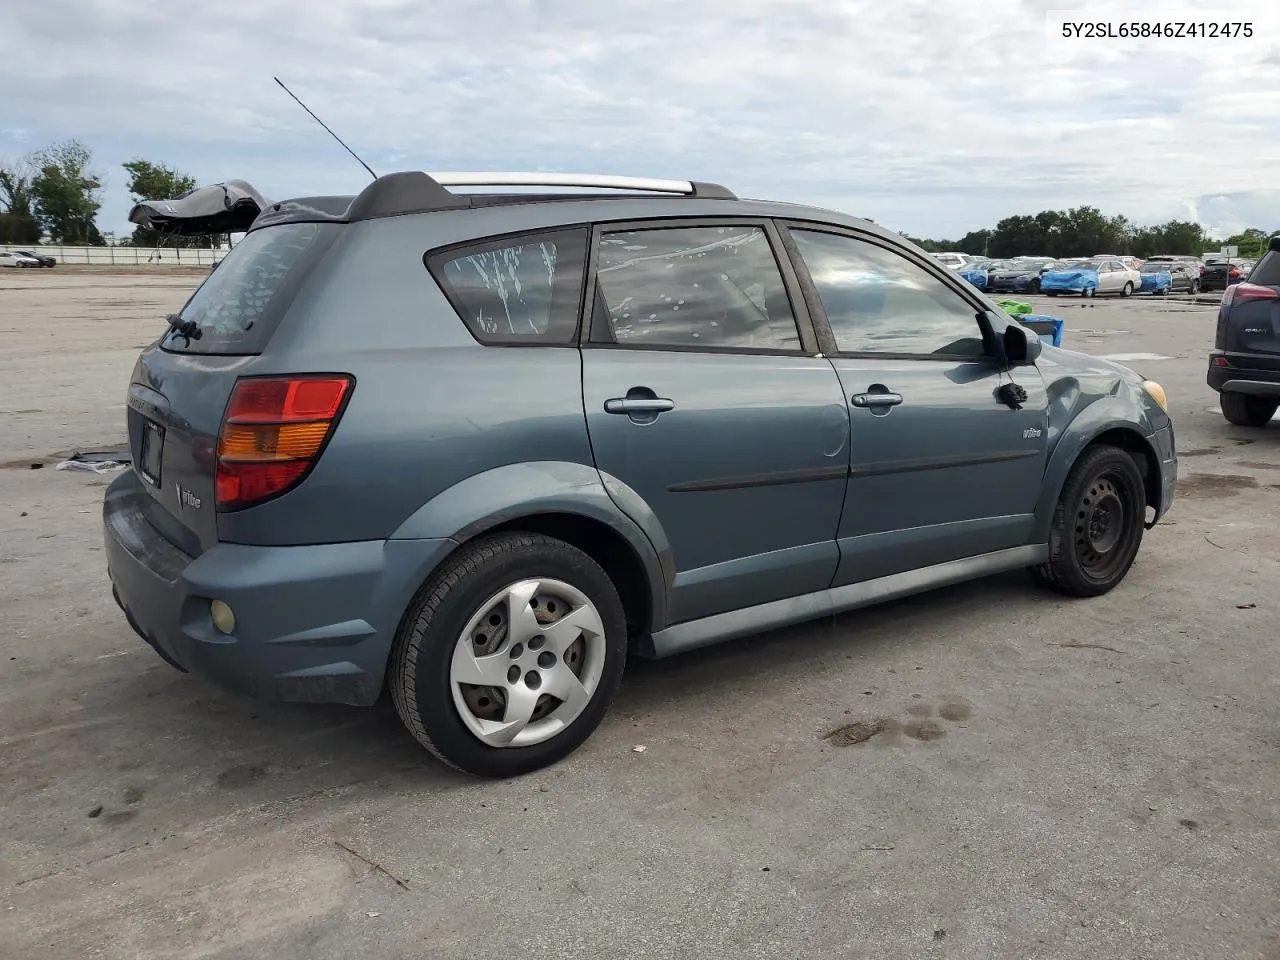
[[1128, 290], [1035, 287], [1246, 411], [1097, 525], [450, 633], [1194, 288]]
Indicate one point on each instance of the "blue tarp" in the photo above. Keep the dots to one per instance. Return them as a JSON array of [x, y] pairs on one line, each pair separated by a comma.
[[1159, 282], [1048, 328], [975, 275], [1071, 280]]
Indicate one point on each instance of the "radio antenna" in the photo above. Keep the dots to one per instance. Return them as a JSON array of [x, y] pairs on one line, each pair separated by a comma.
[[326, 127]]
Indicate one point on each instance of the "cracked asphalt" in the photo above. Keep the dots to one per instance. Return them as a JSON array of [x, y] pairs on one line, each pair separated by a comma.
[[987, 771]]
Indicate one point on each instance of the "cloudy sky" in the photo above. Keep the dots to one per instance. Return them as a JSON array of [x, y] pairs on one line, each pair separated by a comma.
[[930, 116]]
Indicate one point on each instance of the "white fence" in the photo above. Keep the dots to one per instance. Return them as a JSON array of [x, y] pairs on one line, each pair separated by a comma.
[[125, 256]]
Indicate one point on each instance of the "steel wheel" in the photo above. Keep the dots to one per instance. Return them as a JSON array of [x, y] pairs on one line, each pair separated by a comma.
[[1103, 526], [527, 663], [1097, 526]]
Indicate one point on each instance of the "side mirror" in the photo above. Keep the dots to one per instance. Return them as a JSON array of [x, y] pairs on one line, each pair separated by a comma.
[[1021, 346]]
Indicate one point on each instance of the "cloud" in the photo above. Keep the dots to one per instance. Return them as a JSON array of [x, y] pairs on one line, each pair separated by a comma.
[[932, 118]]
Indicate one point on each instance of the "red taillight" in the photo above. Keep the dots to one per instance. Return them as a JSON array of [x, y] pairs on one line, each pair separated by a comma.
[[1240, 292], [273, 430]]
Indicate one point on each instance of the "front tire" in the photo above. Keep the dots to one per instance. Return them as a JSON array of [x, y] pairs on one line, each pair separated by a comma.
[[509, 656], [1035, 286], [1051, 293], [1246, 411], [1097, 525]]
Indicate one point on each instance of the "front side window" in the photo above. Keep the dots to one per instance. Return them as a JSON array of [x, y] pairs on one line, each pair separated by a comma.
[[712, 288], [878, 301], [523, 290]]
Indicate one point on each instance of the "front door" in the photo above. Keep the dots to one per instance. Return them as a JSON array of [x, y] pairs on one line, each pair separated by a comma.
[[941, 469], [703, 399]]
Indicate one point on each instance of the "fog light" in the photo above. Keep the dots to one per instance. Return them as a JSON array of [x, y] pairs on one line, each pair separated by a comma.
[[223, 618]]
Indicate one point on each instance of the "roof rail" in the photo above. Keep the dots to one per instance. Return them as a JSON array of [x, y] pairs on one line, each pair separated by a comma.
[[600, 182], [396, 194]]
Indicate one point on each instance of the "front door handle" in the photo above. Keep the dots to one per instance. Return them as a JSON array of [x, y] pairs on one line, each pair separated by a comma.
[[876, 399], [633, 405]]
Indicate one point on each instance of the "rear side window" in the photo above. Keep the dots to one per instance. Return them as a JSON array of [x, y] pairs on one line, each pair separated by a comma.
[[518, 290], [1267, 272], [703, 288], [240, 303]]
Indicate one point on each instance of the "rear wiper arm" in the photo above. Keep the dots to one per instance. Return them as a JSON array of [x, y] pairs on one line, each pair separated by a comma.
[[187, 329]]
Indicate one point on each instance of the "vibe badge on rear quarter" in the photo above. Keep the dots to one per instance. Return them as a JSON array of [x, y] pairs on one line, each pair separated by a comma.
[[186, 498]]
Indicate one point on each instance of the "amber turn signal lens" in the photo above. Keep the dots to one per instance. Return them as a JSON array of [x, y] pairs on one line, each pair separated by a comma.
[[1156, 393], [271, 441]]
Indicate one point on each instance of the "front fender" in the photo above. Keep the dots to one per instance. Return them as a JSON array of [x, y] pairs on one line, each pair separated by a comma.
[[1076, 419], [494, 497]]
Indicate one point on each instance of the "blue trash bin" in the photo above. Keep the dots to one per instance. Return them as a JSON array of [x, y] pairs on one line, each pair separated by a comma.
[[1048, 328]]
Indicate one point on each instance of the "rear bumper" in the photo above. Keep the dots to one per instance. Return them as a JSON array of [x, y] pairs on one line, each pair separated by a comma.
[[1242, 379], [313, 623]]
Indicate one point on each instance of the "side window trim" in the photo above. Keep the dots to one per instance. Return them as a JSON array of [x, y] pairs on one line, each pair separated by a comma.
[[818, 313], [435, 258], [595, 327]]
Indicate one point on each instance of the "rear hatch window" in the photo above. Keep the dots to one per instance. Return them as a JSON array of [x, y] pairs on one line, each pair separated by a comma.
[[240, 303], [1267, 272]]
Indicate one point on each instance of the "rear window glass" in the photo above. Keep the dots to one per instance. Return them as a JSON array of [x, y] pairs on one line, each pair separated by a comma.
[[1267, 272], [244, 296], [518, 290]]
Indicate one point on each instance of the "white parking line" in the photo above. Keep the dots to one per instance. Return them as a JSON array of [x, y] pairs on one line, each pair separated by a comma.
[[1125, 357]]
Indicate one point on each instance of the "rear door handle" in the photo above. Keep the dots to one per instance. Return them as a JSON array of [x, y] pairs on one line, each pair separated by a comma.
[[876, 399], [632, 405]]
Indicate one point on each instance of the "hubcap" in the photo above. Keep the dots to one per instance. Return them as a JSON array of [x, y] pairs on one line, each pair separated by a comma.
[[528, 663], [1102, 523]]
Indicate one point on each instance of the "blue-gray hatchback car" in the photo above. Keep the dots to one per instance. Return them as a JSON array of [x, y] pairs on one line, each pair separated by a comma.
[[476, 447]]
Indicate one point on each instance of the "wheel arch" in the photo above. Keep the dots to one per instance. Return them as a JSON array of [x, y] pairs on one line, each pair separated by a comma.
[[1113, 431], [568, 501]]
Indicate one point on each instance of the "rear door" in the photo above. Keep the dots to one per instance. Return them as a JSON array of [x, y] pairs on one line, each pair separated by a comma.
[[706, 397], [181, 383], [940, 468]]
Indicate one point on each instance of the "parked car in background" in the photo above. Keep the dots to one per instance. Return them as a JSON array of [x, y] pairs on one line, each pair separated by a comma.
[[1220, 274], [1090, 278], [952, 259], [1244, 365], [1157, 279], [14, 259], [975, 272], [715, 426], [1170, 276], [41, 259], [1022, 276], [1132, 263]]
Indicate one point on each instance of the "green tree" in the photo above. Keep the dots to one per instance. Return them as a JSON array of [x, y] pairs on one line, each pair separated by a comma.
[[155, 181], [1016, 236], [1085, 231], [66, 194], [975, 242], [17, 204]]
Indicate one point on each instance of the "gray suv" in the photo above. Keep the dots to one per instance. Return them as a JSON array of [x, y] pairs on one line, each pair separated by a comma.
[[476, 448]]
